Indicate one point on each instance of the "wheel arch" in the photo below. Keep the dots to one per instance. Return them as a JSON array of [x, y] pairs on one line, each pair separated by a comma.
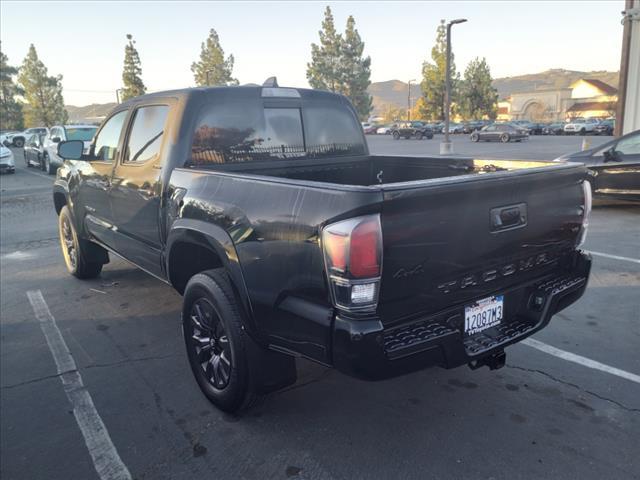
[[194, 246]]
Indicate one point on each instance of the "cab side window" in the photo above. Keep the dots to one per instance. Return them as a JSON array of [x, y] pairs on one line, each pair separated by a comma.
[[629, 145], [106, 143], [146, 134]]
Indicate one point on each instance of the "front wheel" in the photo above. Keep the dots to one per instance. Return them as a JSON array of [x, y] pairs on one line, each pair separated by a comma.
[[396, 135], [75, 250], [50, 169], [504, 138], [419, 136], [18, 142], [475, 137], [583, 131]]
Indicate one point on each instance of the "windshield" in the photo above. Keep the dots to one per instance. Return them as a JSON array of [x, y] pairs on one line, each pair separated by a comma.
[[234, 130], [578, 120], [80, 133]]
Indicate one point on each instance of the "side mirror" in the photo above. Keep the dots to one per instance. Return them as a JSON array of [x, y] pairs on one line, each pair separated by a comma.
[[55, 139], [71, 150], [611, 155]]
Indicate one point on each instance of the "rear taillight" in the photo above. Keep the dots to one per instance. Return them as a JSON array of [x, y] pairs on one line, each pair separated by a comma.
[[586, 211], [353, 258]]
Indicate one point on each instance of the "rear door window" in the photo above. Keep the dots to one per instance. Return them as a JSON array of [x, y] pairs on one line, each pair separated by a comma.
[[146, 134]]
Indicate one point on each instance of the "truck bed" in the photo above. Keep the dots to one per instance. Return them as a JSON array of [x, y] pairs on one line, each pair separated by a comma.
[[380, 170]]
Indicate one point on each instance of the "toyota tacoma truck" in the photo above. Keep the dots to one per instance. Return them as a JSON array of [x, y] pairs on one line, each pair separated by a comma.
[[263, 207]]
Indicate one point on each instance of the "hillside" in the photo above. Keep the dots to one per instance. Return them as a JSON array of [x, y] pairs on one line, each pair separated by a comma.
[[554, 78], [394, 92], [89, 113]]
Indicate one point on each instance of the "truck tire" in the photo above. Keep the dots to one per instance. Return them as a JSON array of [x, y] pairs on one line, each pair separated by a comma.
[[232, 371], [75, 250]]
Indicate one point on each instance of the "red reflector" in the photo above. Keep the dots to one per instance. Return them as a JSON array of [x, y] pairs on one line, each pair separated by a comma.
[[336, 247], [365, 250]]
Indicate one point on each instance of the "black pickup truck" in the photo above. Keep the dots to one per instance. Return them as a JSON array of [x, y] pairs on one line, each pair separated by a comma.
[[264, 208]]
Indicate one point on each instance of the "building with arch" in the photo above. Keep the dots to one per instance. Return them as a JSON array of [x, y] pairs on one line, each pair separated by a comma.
[[583, 98]]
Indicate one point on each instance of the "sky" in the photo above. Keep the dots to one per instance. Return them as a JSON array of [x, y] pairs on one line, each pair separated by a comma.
[[84, 41]]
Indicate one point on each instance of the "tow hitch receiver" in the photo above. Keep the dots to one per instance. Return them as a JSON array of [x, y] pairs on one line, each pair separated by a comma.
[[494, 362]]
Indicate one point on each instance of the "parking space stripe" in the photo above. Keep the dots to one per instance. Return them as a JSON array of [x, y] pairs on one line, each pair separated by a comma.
[[105, 457], [584, 361], [614, 257]]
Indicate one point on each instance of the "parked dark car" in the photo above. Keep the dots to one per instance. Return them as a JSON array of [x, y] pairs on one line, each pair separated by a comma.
[[34, 150], [605, 127], [615, 166], [417, 130], [554, 129], [470, 127], [500, 132], [263, 207], [535, 128]]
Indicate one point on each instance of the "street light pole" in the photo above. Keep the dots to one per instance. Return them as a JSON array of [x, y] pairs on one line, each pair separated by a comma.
[[409, 100], [446, 147]]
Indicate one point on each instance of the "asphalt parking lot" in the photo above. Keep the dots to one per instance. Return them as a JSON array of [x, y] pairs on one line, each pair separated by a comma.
[[565, 406]]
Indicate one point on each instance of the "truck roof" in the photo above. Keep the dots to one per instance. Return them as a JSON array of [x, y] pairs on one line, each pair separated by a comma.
[[206, 91]]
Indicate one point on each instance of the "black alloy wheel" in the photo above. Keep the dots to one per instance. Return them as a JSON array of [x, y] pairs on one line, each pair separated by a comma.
[[211, 344]]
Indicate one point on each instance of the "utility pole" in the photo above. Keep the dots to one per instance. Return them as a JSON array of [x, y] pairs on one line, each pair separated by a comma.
[[409, 100], [207, 76], [118, 90], [446, 148]]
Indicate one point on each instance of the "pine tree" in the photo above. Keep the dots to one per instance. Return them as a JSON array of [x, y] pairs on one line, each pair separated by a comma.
[[478, 98], [213, 69], [45, 104], [355, 70], [434, 75], [133, 84], [323, 72], [11, 116]]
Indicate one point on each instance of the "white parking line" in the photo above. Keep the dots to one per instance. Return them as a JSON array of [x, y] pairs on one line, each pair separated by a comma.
[[584, 361], [105, 458], [614, 257]]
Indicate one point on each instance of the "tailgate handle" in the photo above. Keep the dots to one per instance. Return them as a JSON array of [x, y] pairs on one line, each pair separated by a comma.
[[509, 217]]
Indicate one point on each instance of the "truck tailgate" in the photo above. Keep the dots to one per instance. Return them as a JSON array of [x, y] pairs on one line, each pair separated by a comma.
[[453, 240]]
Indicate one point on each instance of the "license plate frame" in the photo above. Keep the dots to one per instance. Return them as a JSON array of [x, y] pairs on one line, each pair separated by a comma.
[[483, 314]]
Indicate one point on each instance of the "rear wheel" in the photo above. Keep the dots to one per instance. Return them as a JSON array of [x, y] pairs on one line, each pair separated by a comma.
[[475, 137], [396, 135], [75, 250], [19, 142], [504, 138], [227, 365], [418, 135]]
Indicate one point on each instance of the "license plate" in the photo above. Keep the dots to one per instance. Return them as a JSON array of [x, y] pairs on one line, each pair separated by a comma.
[[483, 314]]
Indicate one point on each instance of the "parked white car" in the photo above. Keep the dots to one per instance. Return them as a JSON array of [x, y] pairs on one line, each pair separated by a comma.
[[7, 162], [581, 126], [17, 139], [63, 133], [386, 129]]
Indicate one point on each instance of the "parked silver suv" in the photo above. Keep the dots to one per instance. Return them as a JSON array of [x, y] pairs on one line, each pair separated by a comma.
[[63, 133]]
